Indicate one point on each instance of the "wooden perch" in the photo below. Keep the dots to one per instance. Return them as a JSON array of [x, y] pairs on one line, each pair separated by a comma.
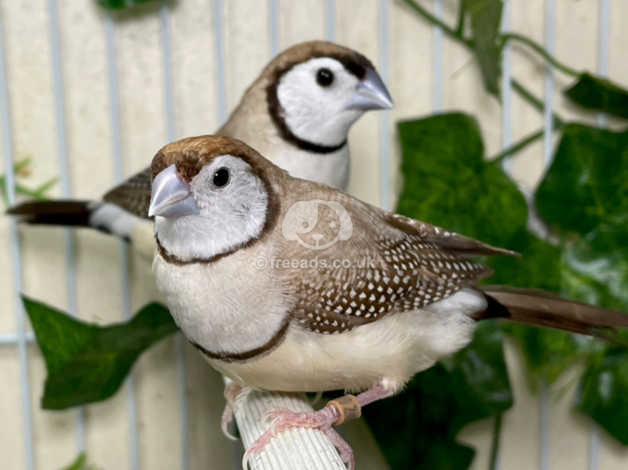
[[303, 449]]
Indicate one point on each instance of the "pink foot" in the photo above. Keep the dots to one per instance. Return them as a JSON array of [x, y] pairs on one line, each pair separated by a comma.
[[323, 420], [225, 422], [232, 390], [344, 449], [335, 413]]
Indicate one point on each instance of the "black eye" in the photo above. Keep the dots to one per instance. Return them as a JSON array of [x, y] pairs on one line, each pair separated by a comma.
[[324, 77], [221, 177]]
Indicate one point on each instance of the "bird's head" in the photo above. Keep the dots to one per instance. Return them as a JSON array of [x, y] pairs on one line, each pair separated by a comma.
[[318, 89], [210, 196]]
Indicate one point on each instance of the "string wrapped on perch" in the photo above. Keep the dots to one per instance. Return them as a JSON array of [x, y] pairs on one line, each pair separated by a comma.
[[306, 449]]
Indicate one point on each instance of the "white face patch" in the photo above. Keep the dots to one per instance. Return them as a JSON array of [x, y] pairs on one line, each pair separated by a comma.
[[232, 214], [314, 112]]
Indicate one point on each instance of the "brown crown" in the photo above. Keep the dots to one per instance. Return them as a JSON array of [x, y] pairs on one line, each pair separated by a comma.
[[192, 153]]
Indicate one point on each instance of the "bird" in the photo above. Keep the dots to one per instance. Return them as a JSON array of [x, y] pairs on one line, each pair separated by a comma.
[[290, 285], [298, 112]]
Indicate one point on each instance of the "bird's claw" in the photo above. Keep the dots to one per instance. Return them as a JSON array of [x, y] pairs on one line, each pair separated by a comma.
[[282, 419], [225, 422], [232, 391]]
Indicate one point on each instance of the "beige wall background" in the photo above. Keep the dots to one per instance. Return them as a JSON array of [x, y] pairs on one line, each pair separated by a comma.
[[537, 433]]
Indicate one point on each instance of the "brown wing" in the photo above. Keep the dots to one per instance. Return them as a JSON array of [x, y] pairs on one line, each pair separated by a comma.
[[133, 195], [461, 245], [389, 265]]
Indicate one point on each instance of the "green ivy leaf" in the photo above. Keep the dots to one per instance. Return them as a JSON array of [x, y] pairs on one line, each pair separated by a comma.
[[584, 191], [600, 94], [485, 20], [587, 183], [480, 377], [547, 353], [596, 267], [538, 267], [418, 428], [80, 463], [589, 177], [120, 4], [584, 198], [603, 392], [21, 168], [87, 362], [448, 182]]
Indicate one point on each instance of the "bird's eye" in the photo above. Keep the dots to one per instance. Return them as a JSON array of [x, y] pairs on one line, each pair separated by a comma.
[[324, 77], [221, 177]]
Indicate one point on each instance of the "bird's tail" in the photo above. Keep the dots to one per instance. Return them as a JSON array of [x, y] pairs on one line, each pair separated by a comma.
[[104, 217], [68, 212], [541, 308]]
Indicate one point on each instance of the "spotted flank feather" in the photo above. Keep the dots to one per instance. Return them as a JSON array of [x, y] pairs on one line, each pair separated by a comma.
[[404, 274]]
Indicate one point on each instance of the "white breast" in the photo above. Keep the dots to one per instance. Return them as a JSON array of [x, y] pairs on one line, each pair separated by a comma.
[[391, 349], [225, 306], [328, 168]]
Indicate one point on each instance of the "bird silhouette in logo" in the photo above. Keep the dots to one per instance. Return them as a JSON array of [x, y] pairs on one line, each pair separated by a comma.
[[317, 224]]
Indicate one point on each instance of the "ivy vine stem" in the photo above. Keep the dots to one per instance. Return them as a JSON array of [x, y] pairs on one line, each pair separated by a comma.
[[497, 432], [539, 50], [558, 123], [457, 35], [38, 193], [520, 145], [451, 32], [534, 101], [460, 22]]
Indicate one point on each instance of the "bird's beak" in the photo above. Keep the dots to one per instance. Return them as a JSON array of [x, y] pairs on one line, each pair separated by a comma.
[[171, 196], [370, 93]]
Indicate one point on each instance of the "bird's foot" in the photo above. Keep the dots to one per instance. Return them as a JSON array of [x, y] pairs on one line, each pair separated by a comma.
[[336, 412], [232, 390], [324, 419], [225, 422]]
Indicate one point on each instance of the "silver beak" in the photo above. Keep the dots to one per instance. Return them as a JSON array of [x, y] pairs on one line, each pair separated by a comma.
[[370, 93], [171, 196]]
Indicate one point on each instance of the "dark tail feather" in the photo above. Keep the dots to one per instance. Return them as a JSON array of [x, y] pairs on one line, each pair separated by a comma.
[[541, 308], [59, 212]]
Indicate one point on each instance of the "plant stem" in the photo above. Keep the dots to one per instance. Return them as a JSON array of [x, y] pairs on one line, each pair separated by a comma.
[[43, 188], [534, 101], [437, 22], [518, 87], [23, 190], [461, 17], [497, 431], [540, 50], [517, 147]]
